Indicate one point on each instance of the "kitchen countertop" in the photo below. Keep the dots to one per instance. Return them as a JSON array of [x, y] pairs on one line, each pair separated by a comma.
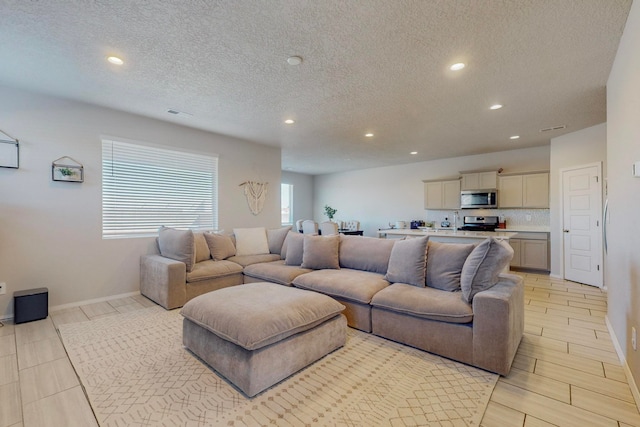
[[528, 229], [447, 232]]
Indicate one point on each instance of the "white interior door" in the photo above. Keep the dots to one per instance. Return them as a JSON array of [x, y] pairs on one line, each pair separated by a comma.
[[582, 224]]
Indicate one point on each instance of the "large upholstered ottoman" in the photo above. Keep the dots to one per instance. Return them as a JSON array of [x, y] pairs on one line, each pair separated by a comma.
[[258, 334]]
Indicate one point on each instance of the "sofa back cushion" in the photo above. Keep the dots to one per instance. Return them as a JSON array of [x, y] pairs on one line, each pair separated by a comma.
[[321, 252], [275, 239], [483, 266], [221, 246], [295, 248], [365, 253], [444, 264], [178, 245], [408, 261], [202, 248], [251, 241]]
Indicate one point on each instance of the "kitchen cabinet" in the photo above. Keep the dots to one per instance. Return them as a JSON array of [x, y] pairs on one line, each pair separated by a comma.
[[524, 191], [479, 180], [515, 245], [530, 250], [442, 194]]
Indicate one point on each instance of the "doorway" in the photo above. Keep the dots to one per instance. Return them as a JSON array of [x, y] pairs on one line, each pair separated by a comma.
[[582, 224]]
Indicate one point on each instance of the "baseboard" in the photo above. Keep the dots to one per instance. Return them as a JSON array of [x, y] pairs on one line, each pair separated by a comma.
[[79, 303], [556, 276], [92, 301], [616, 344]]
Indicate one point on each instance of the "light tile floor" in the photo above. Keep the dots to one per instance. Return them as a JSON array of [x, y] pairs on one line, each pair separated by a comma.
[[566, 372]]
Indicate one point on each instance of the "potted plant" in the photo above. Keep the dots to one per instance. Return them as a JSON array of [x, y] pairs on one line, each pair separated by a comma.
[[329, 212]]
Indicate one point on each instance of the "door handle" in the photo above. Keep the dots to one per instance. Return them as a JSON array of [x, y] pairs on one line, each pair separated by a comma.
[[566, 231], [604, 225]]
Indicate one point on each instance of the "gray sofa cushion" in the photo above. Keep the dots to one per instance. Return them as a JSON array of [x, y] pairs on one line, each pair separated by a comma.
[[365, 253], [427, 303], [483, 266], [444, 264], [245, 260], [408, 261], [211, 269], [178, 245], [355, 285], [295, 247], [275, 238], [321, 252], [221, 246], [276, 272], [258, 314]]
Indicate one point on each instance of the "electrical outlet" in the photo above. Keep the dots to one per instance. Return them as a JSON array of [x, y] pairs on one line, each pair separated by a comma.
[[3, 288], [634, 340]]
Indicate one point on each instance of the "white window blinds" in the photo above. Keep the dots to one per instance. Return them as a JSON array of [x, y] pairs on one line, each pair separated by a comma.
[[146, 187]]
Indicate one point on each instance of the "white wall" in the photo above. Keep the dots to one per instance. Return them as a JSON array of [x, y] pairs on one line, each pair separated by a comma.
[[302, 194], [582, 147], [378, 196], [622, 273], [50, 232]]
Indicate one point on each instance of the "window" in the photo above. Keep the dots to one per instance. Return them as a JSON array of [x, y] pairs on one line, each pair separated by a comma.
[[145, 187], [286, 204]]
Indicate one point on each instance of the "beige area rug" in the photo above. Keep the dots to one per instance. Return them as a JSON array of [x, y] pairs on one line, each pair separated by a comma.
[[137, 373]]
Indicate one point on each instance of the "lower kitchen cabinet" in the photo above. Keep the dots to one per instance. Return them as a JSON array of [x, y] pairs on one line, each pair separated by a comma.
[[530, 250]]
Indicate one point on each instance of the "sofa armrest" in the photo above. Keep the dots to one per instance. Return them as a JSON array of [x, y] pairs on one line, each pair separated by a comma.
[[498, 324], [163, 280]]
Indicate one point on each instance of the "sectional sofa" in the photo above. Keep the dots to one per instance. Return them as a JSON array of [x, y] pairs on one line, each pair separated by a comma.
[[449, 299]]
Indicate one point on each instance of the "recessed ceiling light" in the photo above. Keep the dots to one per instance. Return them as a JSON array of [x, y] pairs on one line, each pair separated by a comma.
[[294, 60], [514, 137], [289, 121], [495, 107], [413, 153], [368, 135], [457, 66], [115, 60]]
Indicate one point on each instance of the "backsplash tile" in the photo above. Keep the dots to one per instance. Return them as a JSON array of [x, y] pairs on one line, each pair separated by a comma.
[[513, 217]]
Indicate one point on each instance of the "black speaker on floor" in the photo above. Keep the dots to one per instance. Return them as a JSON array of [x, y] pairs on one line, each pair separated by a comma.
[[31, 304]]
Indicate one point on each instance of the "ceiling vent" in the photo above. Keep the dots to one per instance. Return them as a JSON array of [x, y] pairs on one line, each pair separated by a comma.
[[179, 113], [553, 128]]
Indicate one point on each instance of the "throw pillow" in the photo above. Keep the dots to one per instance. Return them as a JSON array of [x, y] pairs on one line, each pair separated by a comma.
[[220, 245], [444, 264], [483, 266], [321, 252], [202, 248], [178, 245], [275, 238], [407, 262], [295, 248], [251, 241]]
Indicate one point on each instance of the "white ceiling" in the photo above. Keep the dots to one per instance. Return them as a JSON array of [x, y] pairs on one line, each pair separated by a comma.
[[376, 66]]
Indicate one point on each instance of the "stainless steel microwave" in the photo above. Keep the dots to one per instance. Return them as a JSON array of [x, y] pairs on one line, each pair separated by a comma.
[[479, 199]]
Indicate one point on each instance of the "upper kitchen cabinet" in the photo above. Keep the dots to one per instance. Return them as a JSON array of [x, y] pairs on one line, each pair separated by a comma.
[[524, 191], [442, 194], [479, 180]]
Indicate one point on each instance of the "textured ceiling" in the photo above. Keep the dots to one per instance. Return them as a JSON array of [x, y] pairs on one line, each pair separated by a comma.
[[376, 66]]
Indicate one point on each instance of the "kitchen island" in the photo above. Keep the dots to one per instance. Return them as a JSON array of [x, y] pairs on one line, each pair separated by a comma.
[[446, 235]]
